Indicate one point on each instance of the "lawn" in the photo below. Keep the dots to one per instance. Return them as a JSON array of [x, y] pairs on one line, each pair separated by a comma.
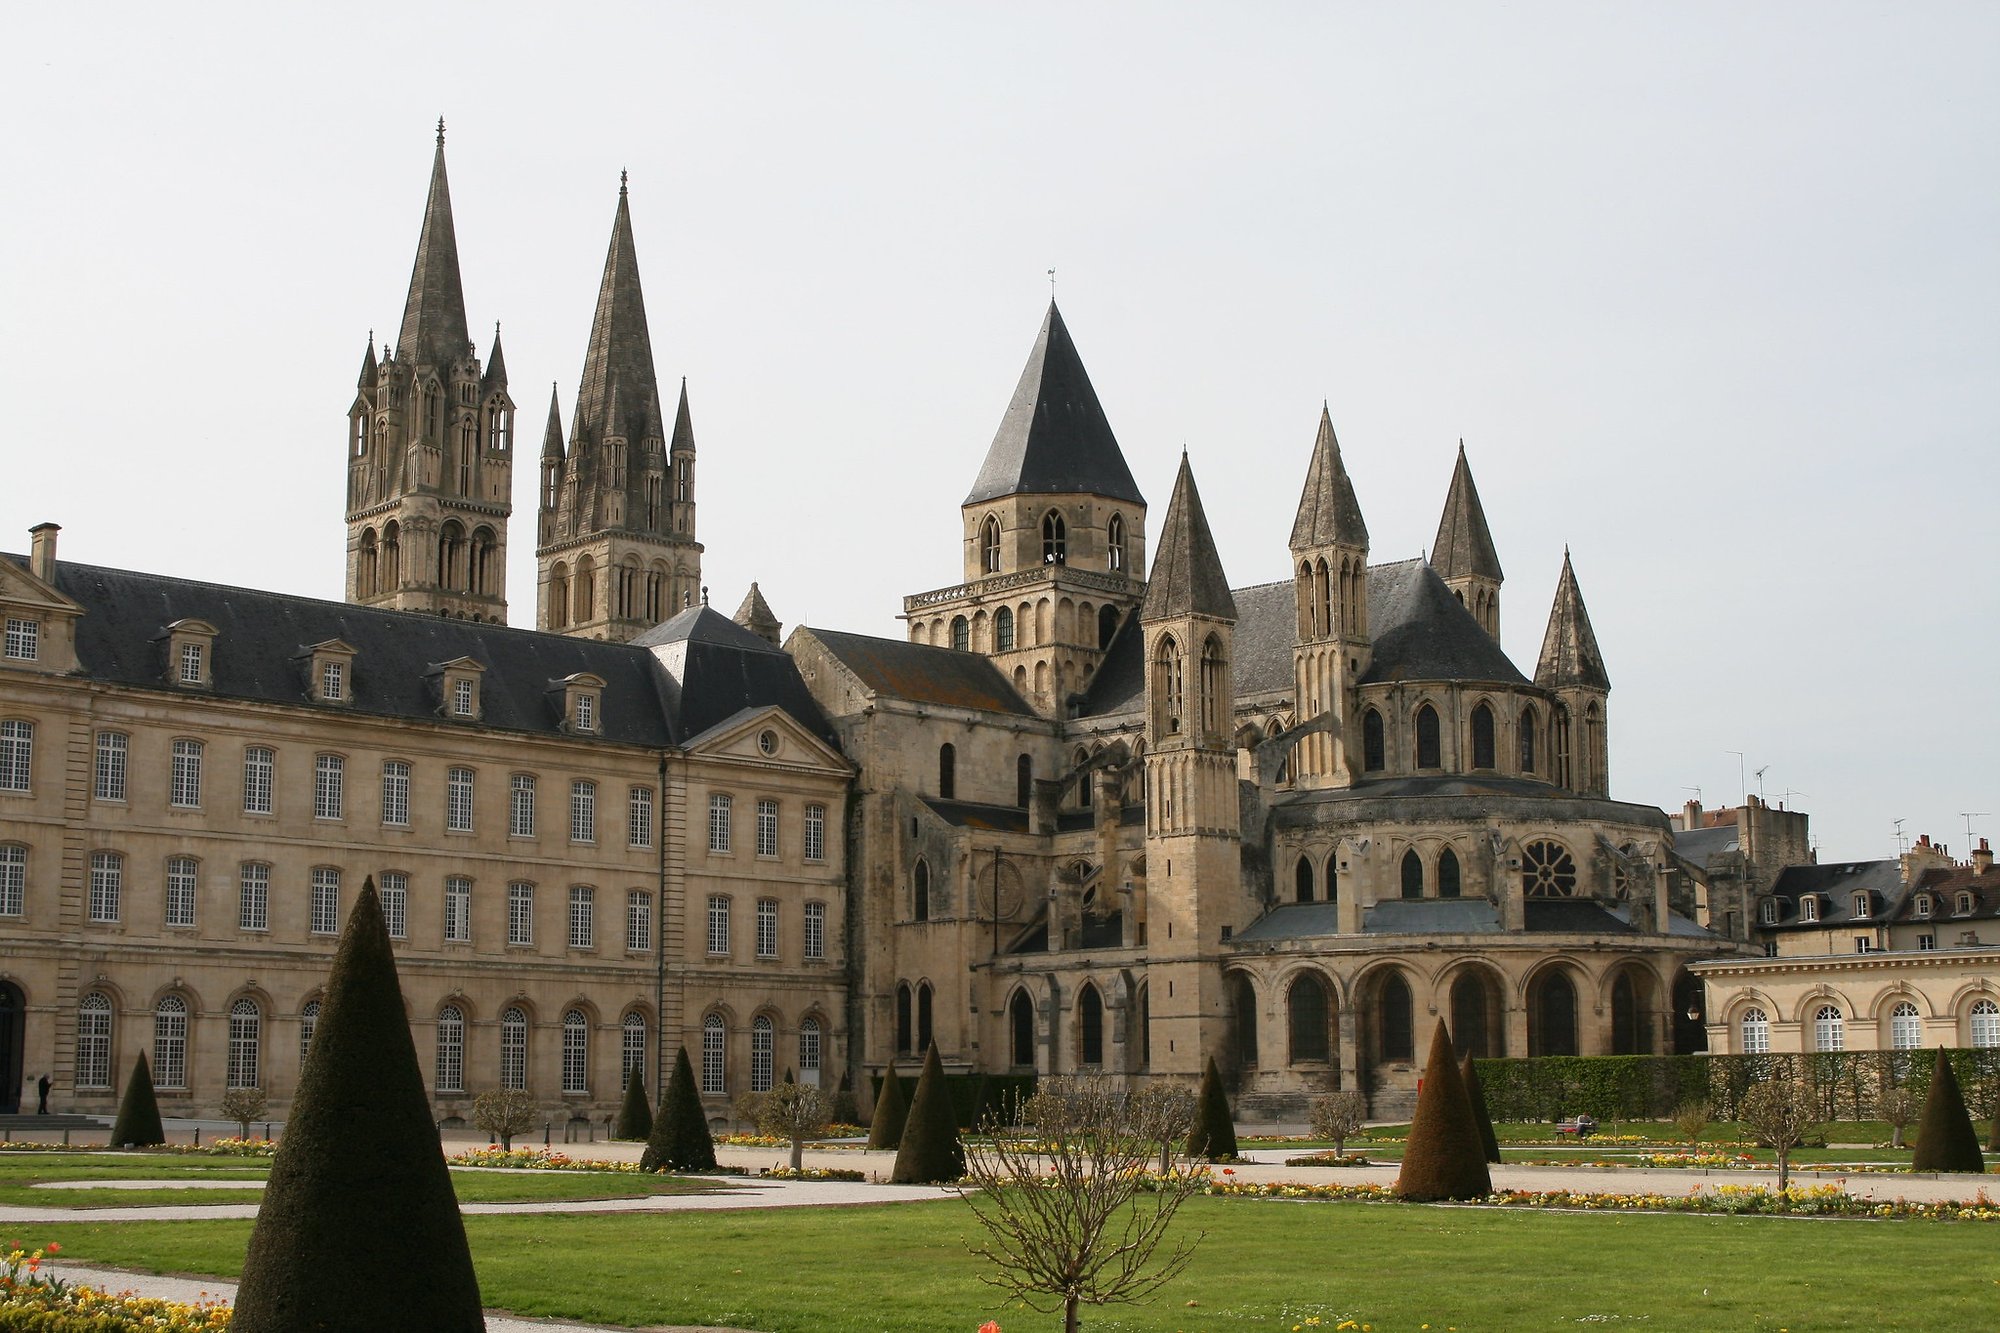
[[1263, 1265], [1536, 1142]]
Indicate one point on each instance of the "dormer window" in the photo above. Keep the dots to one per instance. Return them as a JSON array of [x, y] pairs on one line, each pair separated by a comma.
[[23, 642], [333, 681], [1965, 904], [191, 654], [457, 686], [1808, 907], [1861, 904], [586, 711], [330, 672], [1767, 912], [581, 703], [1922, 908], [193, 670], [463, 698]]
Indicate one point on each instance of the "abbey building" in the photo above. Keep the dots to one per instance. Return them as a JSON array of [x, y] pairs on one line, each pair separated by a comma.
[[1097, 809]]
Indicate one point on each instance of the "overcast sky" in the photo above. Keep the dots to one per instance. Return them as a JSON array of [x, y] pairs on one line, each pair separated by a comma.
[[1709, 292]]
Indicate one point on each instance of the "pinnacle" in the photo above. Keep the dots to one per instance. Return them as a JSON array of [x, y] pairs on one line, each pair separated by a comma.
[[1187, 574], [1464, 545], [1570, 655], [1329, 514], [620, 346], [434, 328]]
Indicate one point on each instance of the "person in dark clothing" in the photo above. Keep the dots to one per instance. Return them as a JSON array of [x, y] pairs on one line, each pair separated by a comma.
[[42, 1106]]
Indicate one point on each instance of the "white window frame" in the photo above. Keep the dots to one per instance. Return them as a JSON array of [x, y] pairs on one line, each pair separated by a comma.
[[1755, 1026], [814, 833], [457, 909], [718, 925], [815, 932], [253, 896], [767, 927], [582, 916], [521, 806], [333, 682], [521, 913], [809, 1051], [113, 753], [17, 754], [1829, 1028], [308, 1022], [93, 1041], [631, 1047], [323, 916], [582, 810], [183, 881], [1983, 1023], [329, 786], [638, 921], [639, 817], [714, 1056], [107, 887], [184, 787], [260, 765], [170, 1037], [392, 887], [721, 829], [767, 827], [194, 669], [763, 1052], [464, 702], [23, 639], [13, 878], [1906, 1027], [246, 1044], [459, 791], [450, 1067], [575, 1054], [513, 1047], [586, 711], [396, 793]]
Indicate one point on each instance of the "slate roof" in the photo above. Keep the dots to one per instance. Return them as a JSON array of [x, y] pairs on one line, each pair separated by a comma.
[[1432, 916], [1702, 845], [923, 674], [1569, 646], [1119, 684], [1054, 438], [1329, 514], [1423, 632], [1464, 544], [1572, 916], [1187, 576], [971, 814], [1267, 622], [434, 328], [716, 668]]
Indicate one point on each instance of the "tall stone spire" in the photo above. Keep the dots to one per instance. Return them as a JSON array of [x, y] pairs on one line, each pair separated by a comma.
[[683, 437], [434, 330], [552, 434], [1463, 553], [620, 351], [1332, 647], [1329, 515], [1569, 646], [366, 383], [1054, 438], [496, 363], [1187, 573]]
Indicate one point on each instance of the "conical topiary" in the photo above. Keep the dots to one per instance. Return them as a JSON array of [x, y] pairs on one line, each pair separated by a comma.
[[885, 1127], [1993, 1131], [930, 1152], [1444, 1158], [360, 1149], [138, 1122], [1213, 1137], [680, 1139], [1476, 1094], [1946, 1140], [635, 1113]]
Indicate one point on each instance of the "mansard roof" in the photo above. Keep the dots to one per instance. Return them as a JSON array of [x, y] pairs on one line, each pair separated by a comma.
[[1054, 438], [1569, 647], [1464, 545], [1423, 632], [1187, 577], [923, 674], [434, 327], [715, 669], [620, 352]]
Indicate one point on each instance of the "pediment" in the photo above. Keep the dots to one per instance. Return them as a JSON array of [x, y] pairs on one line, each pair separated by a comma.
[[19, 588], [742, 735]]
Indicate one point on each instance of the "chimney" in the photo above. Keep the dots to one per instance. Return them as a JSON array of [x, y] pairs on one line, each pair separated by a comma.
[[1982, 858], [1691, 816], [42, 551]]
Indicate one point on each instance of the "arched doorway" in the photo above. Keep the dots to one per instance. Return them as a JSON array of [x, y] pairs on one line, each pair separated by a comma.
[[1475, 1016], [13, 1019], [1631, 1019], [1552, 1014], [1021, 1030]]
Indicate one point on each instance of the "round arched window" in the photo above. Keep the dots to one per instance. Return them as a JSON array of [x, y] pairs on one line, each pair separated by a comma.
[[1547, 870]]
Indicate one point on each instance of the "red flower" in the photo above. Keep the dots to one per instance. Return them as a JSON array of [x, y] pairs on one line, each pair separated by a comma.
[[53, 1248], [990, 1326]]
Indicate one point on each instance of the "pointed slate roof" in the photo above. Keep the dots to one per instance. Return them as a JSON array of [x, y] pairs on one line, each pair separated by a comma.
[[552, 434], [620, 352], [1054, 438], [368, 370], [756, 615], [1464, 545], [1423, 632], [1569, 647], [1187, 573], [683, 423], [434, 328], [1329, 515], [496, 362]]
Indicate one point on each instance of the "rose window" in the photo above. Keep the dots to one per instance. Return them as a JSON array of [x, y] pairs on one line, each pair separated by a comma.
[[1548, 870]]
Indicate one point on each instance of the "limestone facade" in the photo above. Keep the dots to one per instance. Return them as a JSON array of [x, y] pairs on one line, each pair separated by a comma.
[[1890, 999]]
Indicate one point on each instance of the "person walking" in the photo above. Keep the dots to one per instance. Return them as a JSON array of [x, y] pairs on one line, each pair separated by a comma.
[[42, 1087]]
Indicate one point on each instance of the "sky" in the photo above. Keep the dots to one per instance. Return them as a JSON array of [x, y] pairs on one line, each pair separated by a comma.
[[1707, 290]]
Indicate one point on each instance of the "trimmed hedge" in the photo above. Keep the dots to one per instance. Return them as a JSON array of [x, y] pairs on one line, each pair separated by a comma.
[[930, 1152], [1650, 1087], [1945, 1138], [974, 1097], [635, 1113]]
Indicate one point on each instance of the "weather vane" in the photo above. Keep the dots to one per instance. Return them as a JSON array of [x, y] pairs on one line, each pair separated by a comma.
[[1052, 284]]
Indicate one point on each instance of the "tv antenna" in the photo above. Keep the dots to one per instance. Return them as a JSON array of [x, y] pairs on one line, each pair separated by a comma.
[[1760, 780], [1742, 783], [1968, 816], [1902, 843]]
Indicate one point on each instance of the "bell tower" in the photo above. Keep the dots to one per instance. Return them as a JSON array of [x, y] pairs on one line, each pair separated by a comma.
[[1330, 581]]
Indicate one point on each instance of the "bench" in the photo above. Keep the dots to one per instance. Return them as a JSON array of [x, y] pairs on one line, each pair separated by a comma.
[[1571, 1127]]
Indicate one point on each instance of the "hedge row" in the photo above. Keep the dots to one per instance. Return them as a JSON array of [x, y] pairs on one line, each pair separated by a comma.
[[975, 1097], [1650, 1087]]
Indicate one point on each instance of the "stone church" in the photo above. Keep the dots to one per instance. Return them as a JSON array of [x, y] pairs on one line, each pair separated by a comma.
[[1098, 810]]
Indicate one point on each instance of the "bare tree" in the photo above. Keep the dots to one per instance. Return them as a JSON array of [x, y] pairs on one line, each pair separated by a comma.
[[1072, 1216], [1338, 1116], [503, 1113], [243, 1105], [1691, 1120], [1164, 1113], [796, 1112], [1781, 1112], [1898, 1106]]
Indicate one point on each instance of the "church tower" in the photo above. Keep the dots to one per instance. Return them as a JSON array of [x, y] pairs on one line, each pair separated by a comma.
[[430, 461], [1573, 669], [617, 552], [1330, 581], [1463, 553], [1194, 872], [1055, 536]]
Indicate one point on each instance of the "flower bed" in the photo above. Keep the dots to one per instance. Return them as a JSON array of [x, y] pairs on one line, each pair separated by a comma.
[[535, 1159], [813, 1173], [1330, 1159], [32, 1301], [225, 1147], [1799, 1200]]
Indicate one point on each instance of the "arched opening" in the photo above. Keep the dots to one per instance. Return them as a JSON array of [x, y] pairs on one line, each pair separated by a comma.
[[1302, 880], [1021, 1030], [1562, 764], [451, 556], [1413, 874], [1003, 630], [1430, 750], [13, 1050], [583, 596], [1690, 1018], [961, 633], [480, 576], [1448, 885], [1629, 1026], [1055, 539], [924, 1033], [1552, 1014], [906, 1033], [1024, 781], [1243, 1019], [364, 565], [1482, 737], [989, 545], [1374, 752], [920, 891], [1307, 1013], [558, 595], [1529, 722], [1084, 781], [1090, 1027], [1475, 1016], [1214, 692], [1167, 686], [1114, 543], [947, 772], [1107, 625], [1395, 1027]]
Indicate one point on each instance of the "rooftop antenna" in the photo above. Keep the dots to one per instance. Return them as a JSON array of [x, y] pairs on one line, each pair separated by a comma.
[[1902, 843], [1695, 790], [1790, 792], [1742, 783], [1760, 780], [1968, 816]]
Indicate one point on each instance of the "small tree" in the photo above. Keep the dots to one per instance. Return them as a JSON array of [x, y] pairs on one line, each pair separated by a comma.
[[1443, 1158], [680, 1141], [1071, 1216], [795, 1112], [503, 1113], [1164, 1113], [1780, 1112], [930, 1152], [885, 1127], [1337, 1116], [1898, 1107], [244, 1105], [635, 1113], [1213, 1137], [138, 1122], [1691, 1120], [1475, 1092], [1946, 1140]]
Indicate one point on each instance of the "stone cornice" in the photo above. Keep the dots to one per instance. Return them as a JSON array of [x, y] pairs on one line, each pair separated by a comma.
[[1897, 959]]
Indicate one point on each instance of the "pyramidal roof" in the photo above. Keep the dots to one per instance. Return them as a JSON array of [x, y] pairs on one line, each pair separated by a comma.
[[496, 362], [755, 615], [1054, 439], [1187, 574], [367, 380], [1464, 544], [1329, 515], [552, 435], [618, 363], [434, 328], [1569, 647], [683, 437]]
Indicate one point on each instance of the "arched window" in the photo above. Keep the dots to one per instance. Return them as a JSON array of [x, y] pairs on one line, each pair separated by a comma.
[[1430, 752], [246, 1041], [1167, 685], [924, 1034], [1448, 886], [1561, 775], [93, 1041], [1547, 870], [1024, 781], [1529, 721], [1114, 541], [1055, 539], [763, 1041], [1302, 880], [1413, 874], [1395, 1034], [1628, 1024], [513, 1048], [1985, 1025], [1755, 1026], [809, 1046], [170, 1039], [961, 633], [583, 596], [1482, 737], [1906, 1028], [1552, 1015], [451, 1049], [364, 565], [1084, 781], [1829, 1029], [947, 772], [920, 891], [1374, 753], [989, 546], [905, 1019], [1470, 1016], [1090, 1026], [1306, 1013], [1214, 692], [575, 1053], [1021, 1030], [713, 1071], [558, 595], [1243, 1019], [308, 1021], [631, 1046], [1003, 630]]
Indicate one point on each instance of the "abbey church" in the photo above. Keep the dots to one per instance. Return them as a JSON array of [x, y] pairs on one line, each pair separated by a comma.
[[1098, 809]]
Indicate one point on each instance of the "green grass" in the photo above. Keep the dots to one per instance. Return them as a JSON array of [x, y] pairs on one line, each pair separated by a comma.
[[1264, 1266]]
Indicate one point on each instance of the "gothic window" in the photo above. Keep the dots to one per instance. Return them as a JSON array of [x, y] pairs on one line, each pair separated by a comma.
[[1547, 870], [1090, 1026], [1114, 539], [1024, 781], [1395, 1035], [1561, 747], [467, 456], [905, 1019], [989, 545], [653, 502], [1552, 1015], [961, 633], [1322, 602], [947, 772], [1448, 884], [1021, 1030], [1167, 685], [496, 429], [1214, 706], [1303, 879], [1374, 753], [1107, 625], [1482, 737], [1528, 724], [1430, 750], [1413, 874], [920, 893], [1083, 783], [551, 478], [1306, 1012], [923, 1016], [1243, 1019], [1055, 539]]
